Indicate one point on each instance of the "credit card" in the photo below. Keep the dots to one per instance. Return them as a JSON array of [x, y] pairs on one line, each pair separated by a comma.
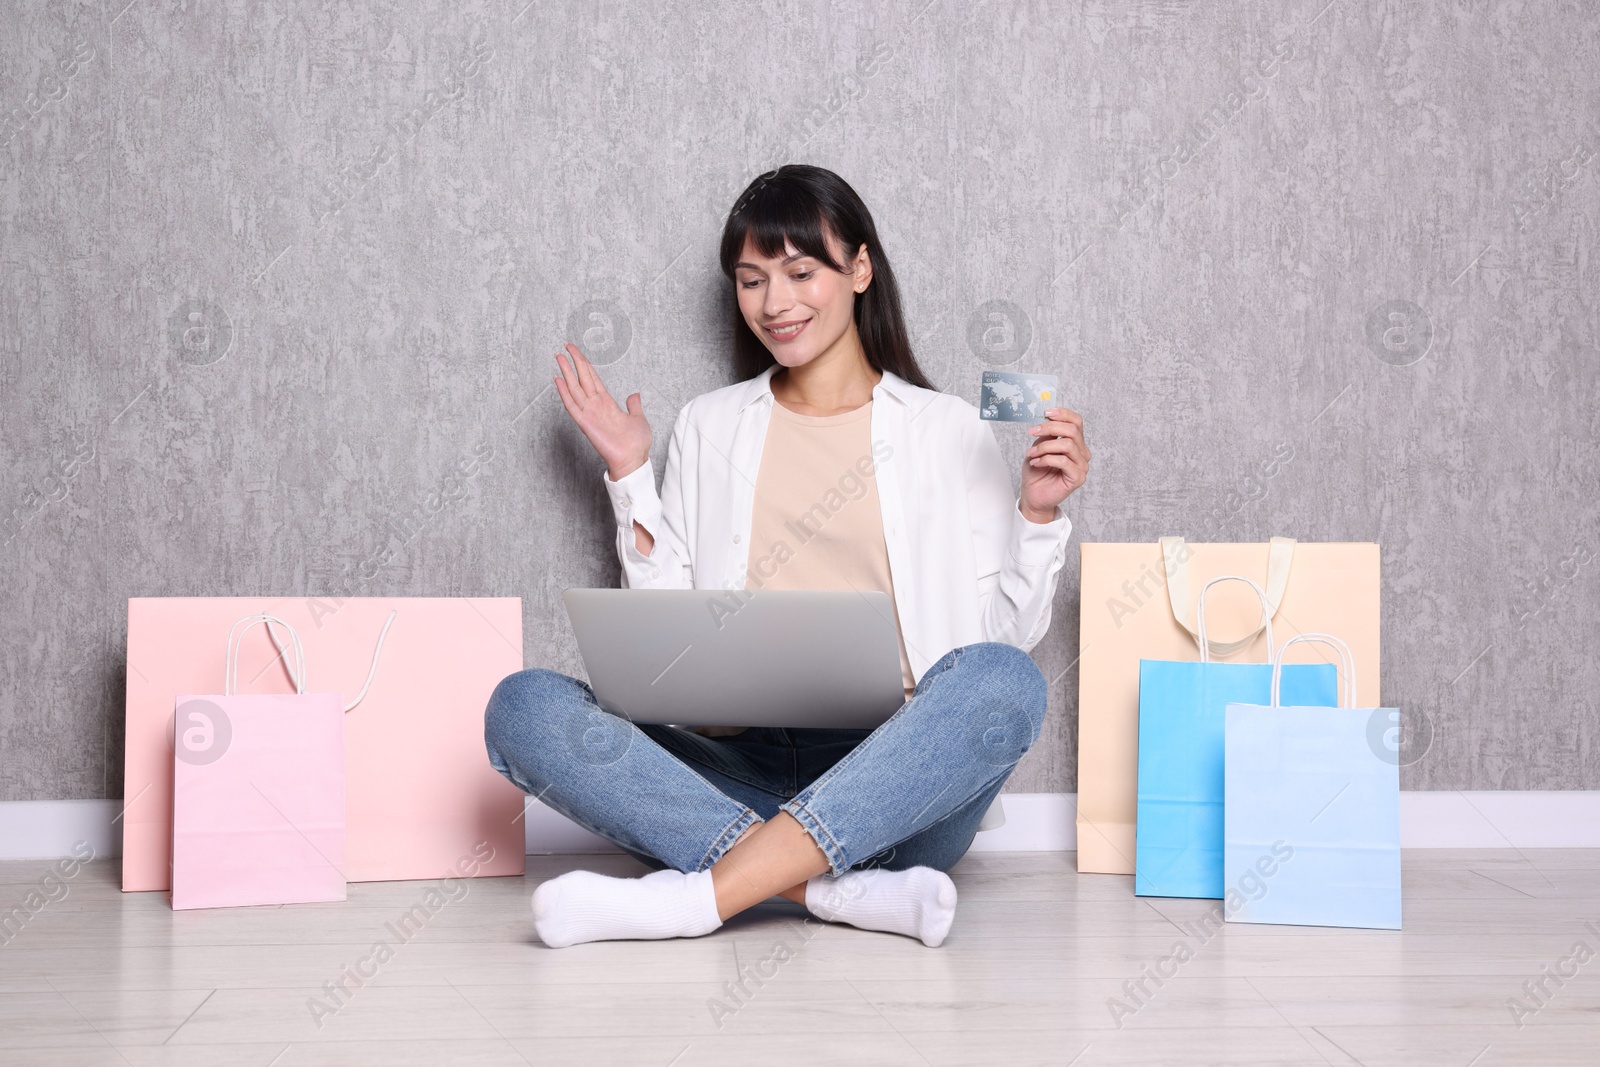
[[1010, 396]]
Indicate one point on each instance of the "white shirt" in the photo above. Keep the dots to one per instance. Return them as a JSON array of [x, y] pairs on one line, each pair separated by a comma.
[[967, 566]]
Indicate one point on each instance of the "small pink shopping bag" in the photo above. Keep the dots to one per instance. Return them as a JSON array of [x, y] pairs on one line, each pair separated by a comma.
[[258, 812]]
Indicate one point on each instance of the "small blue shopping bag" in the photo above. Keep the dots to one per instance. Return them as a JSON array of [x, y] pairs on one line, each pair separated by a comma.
[[1312, 825], [1178, 837]]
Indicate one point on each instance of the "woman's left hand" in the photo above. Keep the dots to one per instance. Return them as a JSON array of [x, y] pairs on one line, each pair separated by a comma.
[[1055, 466]]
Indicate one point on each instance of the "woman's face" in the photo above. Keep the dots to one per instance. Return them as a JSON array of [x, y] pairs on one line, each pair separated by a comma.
[[799, 306]]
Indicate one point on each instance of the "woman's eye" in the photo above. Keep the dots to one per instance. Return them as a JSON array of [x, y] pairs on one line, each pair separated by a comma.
[[752, 283], [803, 275]]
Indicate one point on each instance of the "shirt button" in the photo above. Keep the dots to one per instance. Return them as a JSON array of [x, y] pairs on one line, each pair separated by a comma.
[[735, 538], [626, 501], [655, 574]]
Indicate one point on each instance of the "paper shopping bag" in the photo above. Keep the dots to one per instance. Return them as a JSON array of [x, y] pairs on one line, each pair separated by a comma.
[[420, 795], [258, 792], [1312, 821], [1132, 610], [1182, 708]]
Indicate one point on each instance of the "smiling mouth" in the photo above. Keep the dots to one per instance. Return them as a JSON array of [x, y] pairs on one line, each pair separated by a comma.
[[786, 332]]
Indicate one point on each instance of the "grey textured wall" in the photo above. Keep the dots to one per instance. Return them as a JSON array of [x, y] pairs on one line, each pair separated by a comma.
[[281, 285]]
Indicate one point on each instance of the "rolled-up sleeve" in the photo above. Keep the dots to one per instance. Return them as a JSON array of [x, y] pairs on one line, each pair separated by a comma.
[[1018, 560], [634, 499]]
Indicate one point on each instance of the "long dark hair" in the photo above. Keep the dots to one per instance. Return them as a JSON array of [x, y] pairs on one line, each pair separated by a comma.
[[794, 203]]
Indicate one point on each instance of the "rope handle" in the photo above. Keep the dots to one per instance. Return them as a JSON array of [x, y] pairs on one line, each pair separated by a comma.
[[1267, 611], [1346, 659], [297, 671], [296, 667], [1175, 555]]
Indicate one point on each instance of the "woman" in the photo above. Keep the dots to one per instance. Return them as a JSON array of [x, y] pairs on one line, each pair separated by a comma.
[[833, 464]]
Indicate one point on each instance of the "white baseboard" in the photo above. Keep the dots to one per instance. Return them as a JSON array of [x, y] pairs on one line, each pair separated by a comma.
[[1034, 822], [48, 829], [1500, 819]]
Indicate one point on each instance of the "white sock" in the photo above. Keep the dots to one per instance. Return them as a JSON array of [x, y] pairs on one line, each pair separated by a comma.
[[584, 906], [919, 902]]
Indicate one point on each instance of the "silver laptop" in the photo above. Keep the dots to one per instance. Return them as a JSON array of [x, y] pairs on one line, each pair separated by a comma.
[[775, 657]]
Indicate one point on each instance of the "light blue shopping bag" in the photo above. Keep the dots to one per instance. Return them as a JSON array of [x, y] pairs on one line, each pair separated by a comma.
[[1178, 837], [1312, 825]]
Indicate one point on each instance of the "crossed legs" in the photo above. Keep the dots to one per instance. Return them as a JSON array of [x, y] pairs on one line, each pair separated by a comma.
[[921, 780]]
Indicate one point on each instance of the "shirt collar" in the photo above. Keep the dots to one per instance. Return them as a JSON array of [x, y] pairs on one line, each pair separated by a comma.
[[761, 386]]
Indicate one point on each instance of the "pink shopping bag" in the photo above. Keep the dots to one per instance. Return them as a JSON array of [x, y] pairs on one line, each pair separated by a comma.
[[258, 788], [420, 795]]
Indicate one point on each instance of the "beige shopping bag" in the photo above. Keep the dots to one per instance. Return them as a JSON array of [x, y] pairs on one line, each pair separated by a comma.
[[1138, 602]]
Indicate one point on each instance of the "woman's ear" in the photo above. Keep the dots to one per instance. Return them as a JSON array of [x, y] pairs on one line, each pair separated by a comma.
[[863, 268]]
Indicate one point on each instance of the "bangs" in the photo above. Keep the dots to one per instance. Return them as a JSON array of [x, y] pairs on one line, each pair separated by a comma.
[[774, 216]]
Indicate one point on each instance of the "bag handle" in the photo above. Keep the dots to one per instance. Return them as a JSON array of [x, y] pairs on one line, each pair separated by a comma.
[[1280, 557], [1346, 660], [1266, 618], [297, 667], [297, 672]]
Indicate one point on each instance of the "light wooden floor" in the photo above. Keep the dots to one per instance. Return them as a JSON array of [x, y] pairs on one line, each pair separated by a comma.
[[1027, 976]]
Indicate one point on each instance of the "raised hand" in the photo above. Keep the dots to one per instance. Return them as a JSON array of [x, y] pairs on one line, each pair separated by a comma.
[[621, 437], [1055, 466]]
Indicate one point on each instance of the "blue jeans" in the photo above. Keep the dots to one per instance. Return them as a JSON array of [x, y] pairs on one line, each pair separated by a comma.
[[910, 793]]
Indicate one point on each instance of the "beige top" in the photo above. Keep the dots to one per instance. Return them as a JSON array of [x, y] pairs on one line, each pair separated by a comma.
[[816, 522]]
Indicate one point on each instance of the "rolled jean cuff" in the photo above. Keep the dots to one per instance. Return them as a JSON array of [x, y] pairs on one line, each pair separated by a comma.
[[726, 839], [838, 863]]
